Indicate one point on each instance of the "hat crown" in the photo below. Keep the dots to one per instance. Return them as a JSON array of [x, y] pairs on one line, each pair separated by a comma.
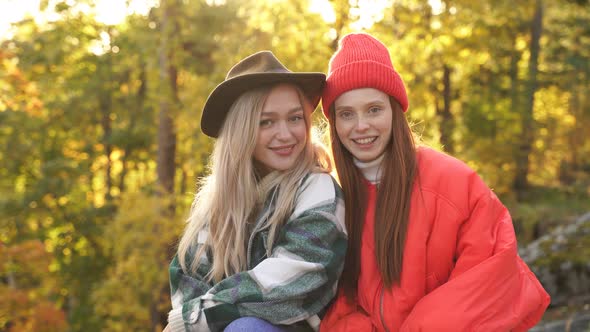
[[255, 71], [360, 47], [261, 62], [362, 61]]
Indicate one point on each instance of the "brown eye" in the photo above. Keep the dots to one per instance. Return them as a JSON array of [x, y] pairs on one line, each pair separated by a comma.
[[345, 115], [374, 109], [265, 123], [296, 118]]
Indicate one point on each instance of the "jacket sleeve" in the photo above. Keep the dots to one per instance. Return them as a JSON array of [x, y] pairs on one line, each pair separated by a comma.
[[299, 278], [490, 287], [186, 291], [346, 316]]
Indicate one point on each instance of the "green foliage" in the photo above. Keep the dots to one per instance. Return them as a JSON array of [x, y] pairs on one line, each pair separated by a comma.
[[545, 209], [139, 241]]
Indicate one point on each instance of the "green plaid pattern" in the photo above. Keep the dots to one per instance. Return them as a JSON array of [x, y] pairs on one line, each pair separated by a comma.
[[294, 284]]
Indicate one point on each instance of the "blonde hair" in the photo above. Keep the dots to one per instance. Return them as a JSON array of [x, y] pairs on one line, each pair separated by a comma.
[[233, 194]]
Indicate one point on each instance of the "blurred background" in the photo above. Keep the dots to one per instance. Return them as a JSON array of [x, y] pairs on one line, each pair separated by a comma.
[[100, 147]]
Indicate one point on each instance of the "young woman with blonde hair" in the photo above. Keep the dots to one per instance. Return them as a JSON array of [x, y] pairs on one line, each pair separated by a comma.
[[264, 243], [431, 248]]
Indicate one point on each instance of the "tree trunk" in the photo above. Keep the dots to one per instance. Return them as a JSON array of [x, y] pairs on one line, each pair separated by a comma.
[[444, 112], [140, 101], [106, 106], [515, 88], [183, 181], [342, 11], [105, 109], [527, 137], [578, 103], [10, 279], [513, 74], [166, 130], [105, 103]]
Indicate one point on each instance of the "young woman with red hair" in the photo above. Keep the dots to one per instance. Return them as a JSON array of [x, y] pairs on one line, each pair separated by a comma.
[[430, 246]]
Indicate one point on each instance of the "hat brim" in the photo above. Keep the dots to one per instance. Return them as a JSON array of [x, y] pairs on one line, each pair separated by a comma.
[[225, 94]]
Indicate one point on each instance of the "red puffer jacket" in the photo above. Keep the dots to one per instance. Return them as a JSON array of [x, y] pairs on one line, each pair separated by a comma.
[[461, 270]]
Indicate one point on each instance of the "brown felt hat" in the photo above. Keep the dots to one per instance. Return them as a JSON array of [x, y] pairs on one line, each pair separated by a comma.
[[256, 70]]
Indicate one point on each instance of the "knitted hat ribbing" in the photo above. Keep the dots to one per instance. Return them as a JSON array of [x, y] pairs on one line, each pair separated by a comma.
[[362, 61]]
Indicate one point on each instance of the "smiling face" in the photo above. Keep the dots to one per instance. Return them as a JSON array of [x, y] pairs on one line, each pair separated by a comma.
[[282, 132], [363, 122]]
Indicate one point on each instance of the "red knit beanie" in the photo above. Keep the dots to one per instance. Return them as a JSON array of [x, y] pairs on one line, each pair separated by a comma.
[[362, 61]]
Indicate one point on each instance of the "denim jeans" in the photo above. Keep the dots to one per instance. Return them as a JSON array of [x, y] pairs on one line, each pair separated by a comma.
[[252, 324]]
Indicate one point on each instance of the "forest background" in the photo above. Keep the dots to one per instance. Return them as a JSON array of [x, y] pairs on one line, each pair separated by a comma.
[[101, 148]]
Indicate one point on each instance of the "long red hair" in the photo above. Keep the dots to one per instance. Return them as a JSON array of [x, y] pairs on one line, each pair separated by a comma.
[[392, 209]]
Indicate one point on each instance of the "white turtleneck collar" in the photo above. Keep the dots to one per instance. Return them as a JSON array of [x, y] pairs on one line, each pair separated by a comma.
[[371, 169]]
